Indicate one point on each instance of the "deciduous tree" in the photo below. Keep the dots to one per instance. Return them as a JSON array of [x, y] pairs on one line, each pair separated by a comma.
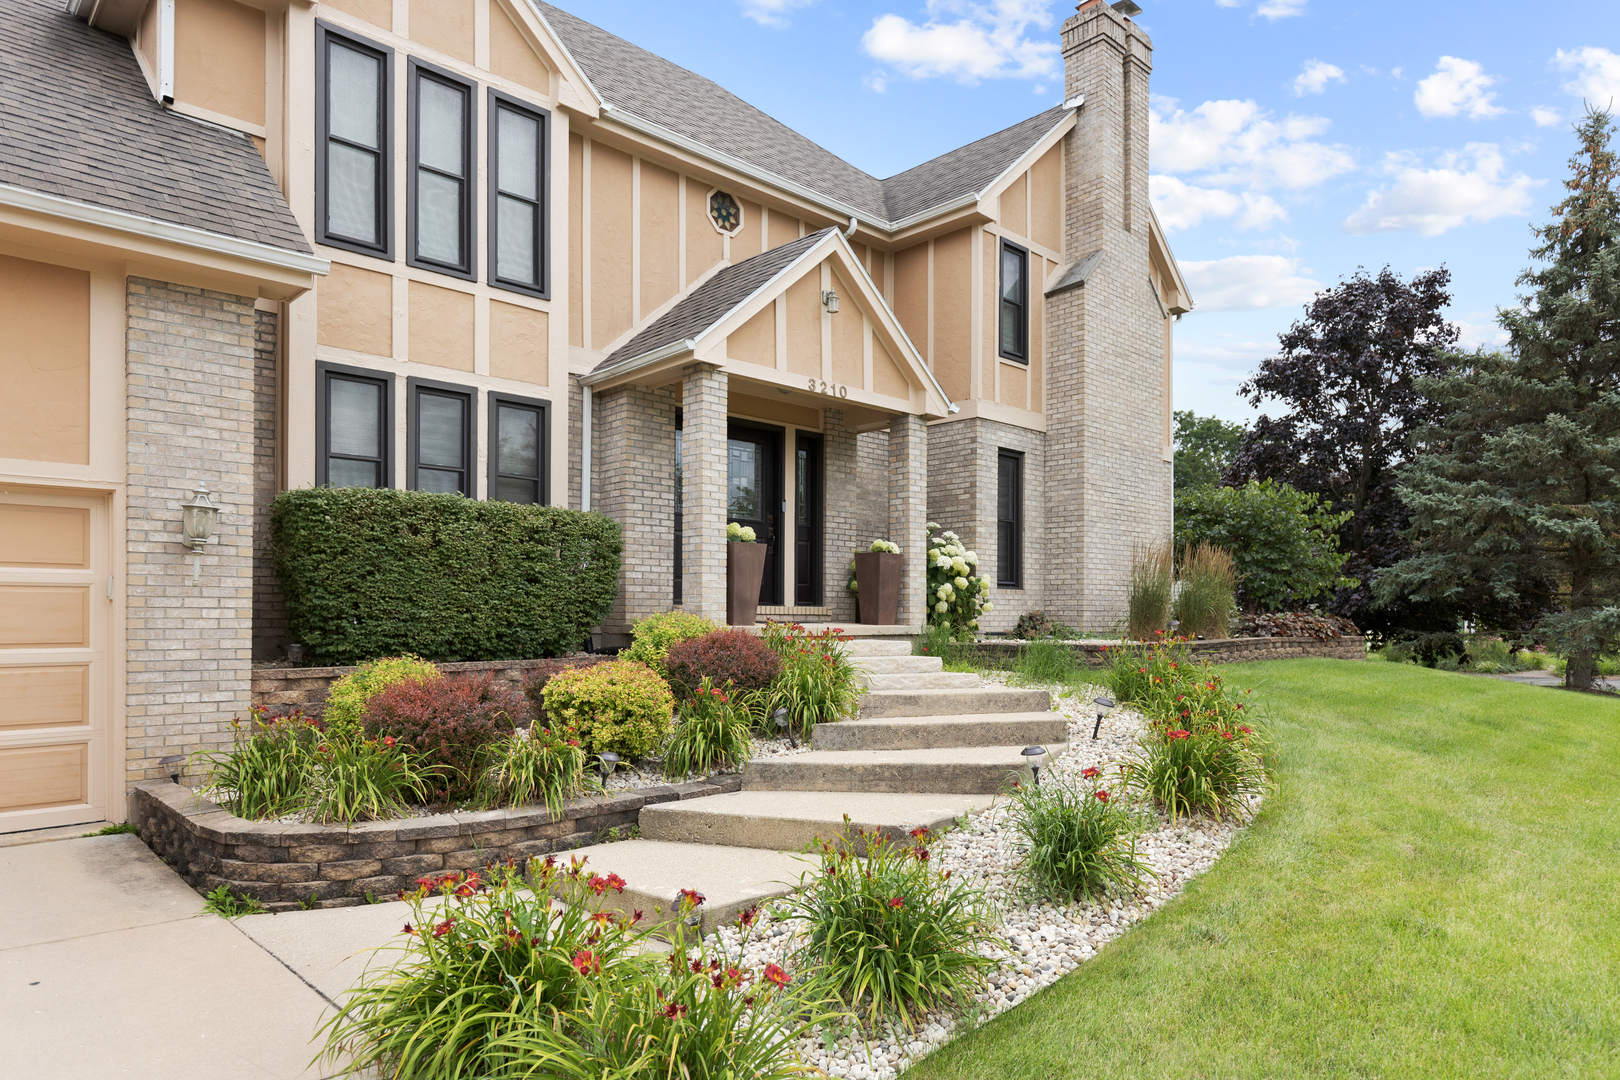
[[1204, 448]]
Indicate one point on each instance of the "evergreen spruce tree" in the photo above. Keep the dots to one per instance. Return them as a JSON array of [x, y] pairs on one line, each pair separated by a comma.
[[1521, 489]]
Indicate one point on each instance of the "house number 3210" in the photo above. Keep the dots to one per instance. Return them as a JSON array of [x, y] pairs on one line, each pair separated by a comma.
[[822, 386]]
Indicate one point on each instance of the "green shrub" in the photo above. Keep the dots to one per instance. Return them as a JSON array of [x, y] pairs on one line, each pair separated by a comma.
[[1079, 840], [1032, 625], [1148, 602], [1042, 661], [529, 767], [620, 706], [652, 637], [711, 732], [956, 595], [1213, 771], [1208, 587], [889, 935], [371, 573], [449, 723], [357, 779], [818, 683], [347, 700], [1284, 543], [264, 773]]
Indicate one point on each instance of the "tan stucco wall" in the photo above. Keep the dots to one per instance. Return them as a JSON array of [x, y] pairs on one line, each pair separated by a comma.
[[953, 315], [804, 326], [611, 236], [376, 12], [576, 240], [510, 54], [779, 412], [219, 58], [356, 310], [755, 340], [848, 336], [910, 299], [748, 239], [886, 376], [1046, 199], [441, 326], [988, 330], [1015, 206], [704, 244], [519, 343], [660, 237], [44, 362], [445, 25], [784, 229]]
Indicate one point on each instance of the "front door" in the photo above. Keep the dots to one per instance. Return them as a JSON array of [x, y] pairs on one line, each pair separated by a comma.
[[55, 624], [754, 495]]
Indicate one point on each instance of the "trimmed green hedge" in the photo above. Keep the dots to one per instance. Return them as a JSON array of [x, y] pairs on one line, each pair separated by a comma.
[[370, 573]]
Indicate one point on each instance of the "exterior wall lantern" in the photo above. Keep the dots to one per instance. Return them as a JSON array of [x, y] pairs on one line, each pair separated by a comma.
[[198, 516], [829, 300]]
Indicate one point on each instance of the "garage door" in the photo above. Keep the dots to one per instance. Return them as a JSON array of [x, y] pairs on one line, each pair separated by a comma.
[[54, 629]]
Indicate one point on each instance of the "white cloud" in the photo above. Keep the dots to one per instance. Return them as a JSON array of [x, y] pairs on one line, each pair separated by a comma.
[[772, 13], [1457, 86], [1182, 206], [1314, 77], [1597, 75], [877, 82], [1480, 330], [1546, 117], [1280, 9], [1247, 283], [969, 41], [1465, 186], [1237, 142]]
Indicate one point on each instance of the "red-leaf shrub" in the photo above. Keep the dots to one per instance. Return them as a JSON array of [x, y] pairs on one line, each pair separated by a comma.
[[447, 722], [725, 656], [1296, 624]]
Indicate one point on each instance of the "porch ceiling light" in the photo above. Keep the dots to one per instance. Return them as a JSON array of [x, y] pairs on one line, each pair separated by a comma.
[[198, 517], [1103, 705], [1035, 757], [829, 300]]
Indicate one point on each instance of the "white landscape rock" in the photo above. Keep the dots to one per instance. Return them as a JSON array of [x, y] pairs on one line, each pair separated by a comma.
[[1048, 940]]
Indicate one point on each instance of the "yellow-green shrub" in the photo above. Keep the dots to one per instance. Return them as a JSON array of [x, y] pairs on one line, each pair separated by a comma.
[[346, 702], [653, 636], [620, 706]]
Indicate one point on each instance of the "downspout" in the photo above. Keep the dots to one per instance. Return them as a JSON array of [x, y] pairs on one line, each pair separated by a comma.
[[849, 233], [585, 453], [165, 51]]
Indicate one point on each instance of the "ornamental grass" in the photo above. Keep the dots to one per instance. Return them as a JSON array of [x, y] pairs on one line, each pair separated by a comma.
[[1204, 603], [888, 935], [532, 767], [1079, 840], [711, 732], [818, 683], [1148, 599]]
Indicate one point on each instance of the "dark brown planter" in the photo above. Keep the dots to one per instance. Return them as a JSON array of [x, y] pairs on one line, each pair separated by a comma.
[[877, 581], [745, 569]]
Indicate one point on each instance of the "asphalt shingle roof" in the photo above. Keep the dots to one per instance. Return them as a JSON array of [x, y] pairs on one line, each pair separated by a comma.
[[646, 85], [708, 303], [78, 121]]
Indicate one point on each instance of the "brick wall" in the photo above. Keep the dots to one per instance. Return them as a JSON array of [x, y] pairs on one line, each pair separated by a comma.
[[633, 482], [841, 500], [269, 606], [191, 416], [872, 484]]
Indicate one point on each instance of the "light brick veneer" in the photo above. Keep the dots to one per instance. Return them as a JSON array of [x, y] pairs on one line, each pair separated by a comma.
[[633, 482], [841, 501], [703, 497], [908, 511], [191, 416], [269, 606]]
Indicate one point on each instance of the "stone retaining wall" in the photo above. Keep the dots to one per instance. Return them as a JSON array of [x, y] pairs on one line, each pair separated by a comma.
[[1216, 651], [283, 865], [306, 687]]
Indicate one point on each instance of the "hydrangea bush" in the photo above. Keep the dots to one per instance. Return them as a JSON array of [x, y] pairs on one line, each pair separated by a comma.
[[957, 596]]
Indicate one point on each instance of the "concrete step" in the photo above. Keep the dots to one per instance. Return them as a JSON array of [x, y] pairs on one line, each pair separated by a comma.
[[974, 770], [922, 680], [792, 820], [899, 665], [862, 647], [937, 732], [985, 699], [654, 871]]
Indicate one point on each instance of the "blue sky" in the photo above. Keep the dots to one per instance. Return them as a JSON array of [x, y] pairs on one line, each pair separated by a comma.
[[1293, 140]]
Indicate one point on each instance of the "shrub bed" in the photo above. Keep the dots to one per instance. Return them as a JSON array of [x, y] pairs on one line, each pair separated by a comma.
[[620, 706], [370, 573], [732, 658], [448, 723]]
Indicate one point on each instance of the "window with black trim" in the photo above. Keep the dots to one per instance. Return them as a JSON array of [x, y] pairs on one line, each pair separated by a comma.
[[519, 441], [440, 218], [354, 432], [518, 201], [1014, 335], [1010, 519], [354, 138], [440, 432]]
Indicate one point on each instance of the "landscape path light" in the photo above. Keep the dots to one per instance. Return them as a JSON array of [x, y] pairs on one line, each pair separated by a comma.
[[607, 761], [782, 728], [1103, 705], [1035, 757], [198, 516]]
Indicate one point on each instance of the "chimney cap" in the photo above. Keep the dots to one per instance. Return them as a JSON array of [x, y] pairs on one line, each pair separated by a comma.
[[1126, 7]]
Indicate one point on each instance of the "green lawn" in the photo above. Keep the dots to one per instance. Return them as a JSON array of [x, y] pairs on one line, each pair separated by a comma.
[[1433, 890]]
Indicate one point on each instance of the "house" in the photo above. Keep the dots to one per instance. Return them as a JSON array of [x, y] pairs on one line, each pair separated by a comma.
[[483, 246]]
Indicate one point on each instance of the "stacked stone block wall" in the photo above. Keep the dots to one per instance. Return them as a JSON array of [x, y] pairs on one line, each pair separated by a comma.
[[289, 688], [1216, 651], [269, 606], [191, 369]]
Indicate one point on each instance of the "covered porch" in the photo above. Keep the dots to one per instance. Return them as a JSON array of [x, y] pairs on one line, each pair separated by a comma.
[[782, 394]]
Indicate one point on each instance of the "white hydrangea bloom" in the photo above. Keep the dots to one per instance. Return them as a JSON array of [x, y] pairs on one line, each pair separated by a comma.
[[972, 557], [985, 608], [961, 583], [943, 562], [959, 566], [941, 607]]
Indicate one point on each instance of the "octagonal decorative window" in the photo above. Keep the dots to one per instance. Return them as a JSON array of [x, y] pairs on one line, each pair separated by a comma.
[[724, 212]]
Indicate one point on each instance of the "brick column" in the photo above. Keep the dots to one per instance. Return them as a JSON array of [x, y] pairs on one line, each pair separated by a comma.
[[908, 510], [703, 491]]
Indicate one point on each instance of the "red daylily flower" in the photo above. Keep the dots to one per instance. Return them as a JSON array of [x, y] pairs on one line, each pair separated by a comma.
[[1178, 734], [1090, 772], [776, 976], [1102, 796], [898, 901], [690, 898], [586, 963], [444, 927]]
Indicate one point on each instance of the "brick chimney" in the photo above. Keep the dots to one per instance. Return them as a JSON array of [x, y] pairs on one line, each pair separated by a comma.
[[1108, 478]]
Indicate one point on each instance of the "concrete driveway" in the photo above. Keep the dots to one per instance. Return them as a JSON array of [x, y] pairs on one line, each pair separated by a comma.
[[109, 968]]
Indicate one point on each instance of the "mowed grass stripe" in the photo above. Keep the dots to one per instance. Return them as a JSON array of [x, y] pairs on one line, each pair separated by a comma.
[[1433, 890]]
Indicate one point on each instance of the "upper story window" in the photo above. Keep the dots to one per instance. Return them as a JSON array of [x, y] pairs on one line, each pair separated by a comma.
[[440, 154], [1014, 333], [354, 433], [517, 195], [354, 159]]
